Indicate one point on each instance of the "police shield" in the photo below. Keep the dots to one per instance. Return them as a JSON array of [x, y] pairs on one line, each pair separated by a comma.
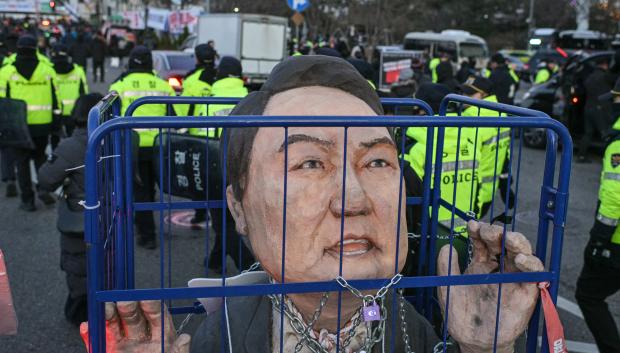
[[13, 125], [188, 162]]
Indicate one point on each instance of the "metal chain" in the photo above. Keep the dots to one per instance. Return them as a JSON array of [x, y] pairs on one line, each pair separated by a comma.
[[356, 322], [373, 335], [441, 346], [299, 326], [313, 321], [403, 323], [253, 267], [184, 323], [470, 251], [470, 243], [380, 293]]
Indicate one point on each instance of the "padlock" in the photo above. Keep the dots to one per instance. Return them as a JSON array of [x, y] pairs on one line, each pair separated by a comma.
[[372, 312]]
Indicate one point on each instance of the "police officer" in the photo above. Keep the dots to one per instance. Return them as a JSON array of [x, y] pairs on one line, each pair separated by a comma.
[[504, 83], [547, 69], [600, 276], [432, 67], [228, 84], [595, 111], [65, 167], [32, 81], [140, 81], [444, 73], [197, 83], [466, 179], [493, 171], [71, 83]]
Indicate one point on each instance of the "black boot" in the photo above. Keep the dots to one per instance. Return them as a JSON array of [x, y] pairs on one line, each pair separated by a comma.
[[27, 206], [147, 241], [200, 215], [11, 189], [46, 198], [76, 310]]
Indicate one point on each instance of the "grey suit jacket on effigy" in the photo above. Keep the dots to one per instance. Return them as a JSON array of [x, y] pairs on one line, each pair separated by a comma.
[[250, 329]]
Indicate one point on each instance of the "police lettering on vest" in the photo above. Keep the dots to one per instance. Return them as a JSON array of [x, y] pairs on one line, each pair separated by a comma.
[[456, 168], [37, 91]]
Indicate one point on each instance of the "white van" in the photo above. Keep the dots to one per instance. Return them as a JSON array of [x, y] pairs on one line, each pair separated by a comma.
[[460, 45], [259, 41]]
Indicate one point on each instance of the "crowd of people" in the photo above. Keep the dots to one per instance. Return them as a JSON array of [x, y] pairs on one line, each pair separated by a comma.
[[318, 79]]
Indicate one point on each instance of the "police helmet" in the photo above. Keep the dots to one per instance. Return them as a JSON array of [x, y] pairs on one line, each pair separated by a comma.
[[27, 41], [140, 57], [229, 67], [205, 54], [498, 58], [60, 50]]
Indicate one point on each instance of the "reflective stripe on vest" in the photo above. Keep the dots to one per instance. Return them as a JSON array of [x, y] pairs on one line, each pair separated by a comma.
[[611, 176], [141, 93], [222, 112], [458, 223], [606, 220], [462, 165], [488, 179], [35, 108], [495, 138], [68, 101], [211, 132]]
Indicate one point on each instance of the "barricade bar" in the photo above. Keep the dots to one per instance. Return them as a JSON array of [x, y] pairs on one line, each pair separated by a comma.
[[241, 121], [390, 102], [317, 287]]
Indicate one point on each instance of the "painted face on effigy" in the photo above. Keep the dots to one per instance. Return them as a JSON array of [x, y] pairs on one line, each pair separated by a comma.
[[314, 200]]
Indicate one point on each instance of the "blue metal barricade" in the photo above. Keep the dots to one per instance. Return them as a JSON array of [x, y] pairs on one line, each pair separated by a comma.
[[110, 203]]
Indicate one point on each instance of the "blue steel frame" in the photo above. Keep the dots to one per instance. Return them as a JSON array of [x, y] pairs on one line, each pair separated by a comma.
[[104, 122]]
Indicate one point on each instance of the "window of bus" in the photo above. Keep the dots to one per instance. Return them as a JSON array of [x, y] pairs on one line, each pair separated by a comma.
[[433, 47], [472, 50]]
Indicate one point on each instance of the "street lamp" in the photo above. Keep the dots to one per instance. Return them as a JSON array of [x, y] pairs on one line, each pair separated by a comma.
[[236, 9]]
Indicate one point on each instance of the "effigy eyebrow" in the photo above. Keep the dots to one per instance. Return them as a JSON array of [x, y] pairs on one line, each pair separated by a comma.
[[304, 138], [378, 141]]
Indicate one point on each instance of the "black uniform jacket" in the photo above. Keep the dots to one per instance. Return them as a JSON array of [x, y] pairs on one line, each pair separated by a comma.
[[65, 167], [504, 85]]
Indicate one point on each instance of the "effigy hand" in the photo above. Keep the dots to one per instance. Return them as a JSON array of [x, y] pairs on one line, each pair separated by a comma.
[[136, 327], [473, 309]]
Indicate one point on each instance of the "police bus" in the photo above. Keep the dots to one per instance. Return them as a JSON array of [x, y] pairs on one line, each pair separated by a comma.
[[460, 45]]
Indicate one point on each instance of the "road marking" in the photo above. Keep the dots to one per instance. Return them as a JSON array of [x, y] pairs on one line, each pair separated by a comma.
[[569, 306], [575, 346]]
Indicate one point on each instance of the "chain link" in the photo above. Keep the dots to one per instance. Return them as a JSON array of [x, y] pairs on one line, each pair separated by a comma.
[[369, 298], [253, 267], [313, 321], [441, 346], [299, 326], [184, 323], [403, 323]]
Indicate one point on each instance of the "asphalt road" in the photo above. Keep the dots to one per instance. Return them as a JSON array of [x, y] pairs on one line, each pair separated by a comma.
[[30, 243]]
